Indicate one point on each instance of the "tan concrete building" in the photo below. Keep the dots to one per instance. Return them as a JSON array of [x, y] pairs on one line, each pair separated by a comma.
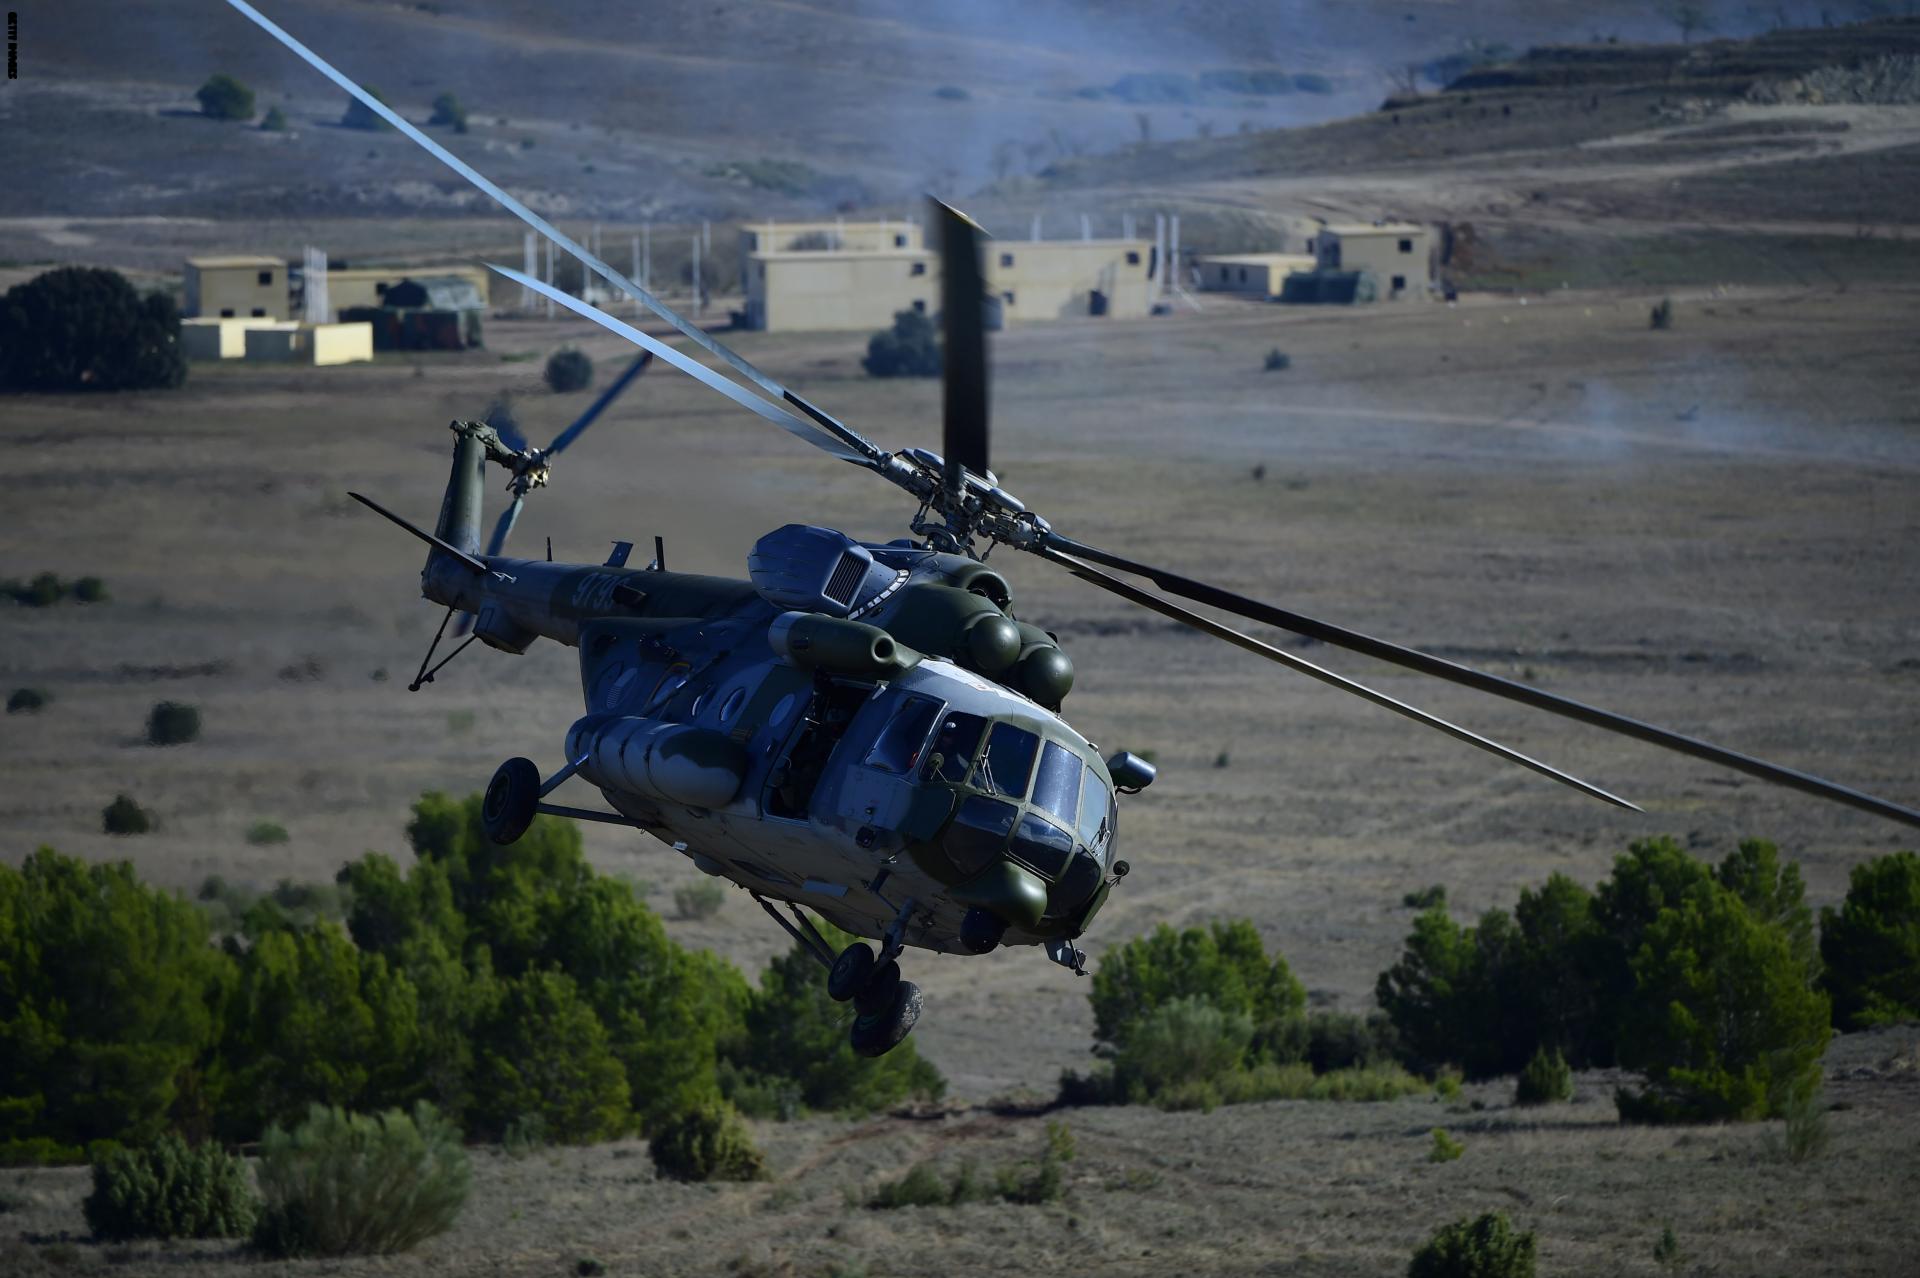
[[316, 344], [367, 286], [1255, 274], [239, 286], [210, 337], [823, 289], [1399, 255]]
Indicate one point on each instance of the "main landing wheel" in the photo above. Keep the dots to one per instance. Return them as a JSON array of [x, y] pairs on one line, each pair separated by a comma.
[[507, 810], [880, 1033], [850, 971]]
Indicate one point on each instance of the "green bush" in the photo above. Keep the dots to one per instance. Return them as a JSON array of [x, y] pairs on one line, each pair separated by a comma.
[[124, 816], [1485, 1247], [448, 113], [170, 723], [266, 833], [1340, 1040], [1661, 317], [568, 370], [1804, 1135], [1871, 944], [1277, 361], [27, 701], [707, 1142], [795, 1045], [83, 328], [921, 1186], [1224, 965], [361, 116], [1179, 1054], [224, 98], [274, 121], [1426, 898], [89, 590], [1726, 1020], [699, 900], [546, 1053], [1028, 1182], [109, 1004], [170, 1190], [909, 349], [1444, 1148], [1546, 1078], [344, 1184]]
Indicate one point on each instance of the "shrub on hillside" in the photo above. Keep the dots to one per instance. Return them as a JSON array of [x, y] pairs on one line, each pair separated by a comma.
[[909, 349], [170, 1189], [120, 1063], [1546, 1078], [274, 121], [795, 1051], [27, 700], [1181, 1054], [700, 900], [224, 98], [568, 370], [170, 723], [344, 1184], [361, 116], [1660, 318], [1224, 965], [124, 816], [1486, 1247], [707, 1142], [85, 328], [1871, 944], [448, 113]]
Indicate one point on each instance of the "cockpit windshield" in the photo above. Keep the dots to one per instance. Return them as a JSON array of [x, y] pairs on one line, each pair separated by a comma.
[[1056, 787], [954, 746], [1008, 762]]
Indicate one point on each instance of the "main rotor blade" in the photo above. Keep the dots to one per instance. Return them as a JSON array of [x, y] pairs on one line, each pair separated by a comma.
[[963, 427], [691, 367], [1481, 681], [693, 331], [598, 406], [1167, 608]]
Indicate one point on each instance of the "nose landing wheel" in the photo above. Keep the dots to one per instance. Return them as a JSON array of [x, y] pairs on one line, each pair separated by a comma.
[[887, 1007]]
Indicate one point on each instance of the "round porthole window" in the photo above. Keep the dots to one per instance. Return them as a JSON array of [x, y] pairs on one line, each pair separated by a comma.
[[781, 711], [731, 706], [611, 682], [700, 702]]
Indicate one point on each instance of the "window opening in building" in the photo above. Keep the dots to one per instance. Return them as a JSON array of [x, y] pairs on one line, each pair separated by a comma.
[[266, 277], [259, 312], [920, 305], [380, 290], [1406, 246], [919, 268], [899, 241], [1133, 259], [227, 313], [1006, 259], [1399, 282], [1007, 298]]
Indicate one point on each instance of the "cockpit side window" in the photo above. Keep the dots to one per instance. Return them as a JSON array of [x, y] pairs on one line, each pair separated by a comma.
[[978, 835], [1008, 762], [897, 748], [1056, 787], [1095, 811], [954, 746]]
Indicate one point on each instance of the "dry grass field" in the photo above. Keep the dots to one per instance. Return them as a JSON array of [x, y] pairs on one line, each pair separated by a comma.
[[1715, 527]]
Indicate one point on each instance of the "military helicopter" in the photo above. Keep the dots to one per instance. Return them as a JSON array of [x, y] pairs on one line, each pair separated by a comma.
[[866, 729]]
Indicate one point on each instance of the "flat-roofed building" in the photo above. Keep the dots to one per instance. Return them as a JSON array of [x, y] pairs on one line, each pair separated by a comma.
[[1399, 255], [367, 285], [237, 286], [210, 337], [316, 344], [1256, 274], [817, 289]]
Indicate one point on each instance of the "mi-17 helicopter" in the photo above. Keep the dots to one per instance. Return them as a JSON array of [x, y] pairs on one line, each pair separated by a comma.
[[865, 729]]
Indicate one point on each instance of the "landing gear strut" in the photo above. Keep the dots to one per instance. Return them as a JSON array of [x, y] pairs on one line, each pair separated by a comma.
[[886, 1007]]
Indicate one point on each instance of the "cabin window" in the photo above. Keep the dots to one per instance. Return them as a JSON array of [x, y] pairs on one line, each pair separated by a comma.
[[674, 680], [266, 279], [1133, 258], [919, 306], [918, 268], [897, 748], [1399, 282], [1094, 825], [953, 748], [1406, 246], [900, 241], [1008, 762], [1006, 259], [978, 834], [1078, 885], [1043, 845], [226, 312], [259, 312], [1056, 787]]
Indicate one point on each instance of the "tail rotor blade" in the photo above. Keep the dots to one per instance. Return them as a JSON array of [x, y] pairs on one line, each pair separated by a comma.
[[599, 405], [963, 325], [502, 530]]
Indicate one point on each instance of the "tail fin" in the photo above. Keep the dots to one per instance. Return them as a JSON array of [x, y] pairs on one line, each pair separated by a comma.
[[460, 511]]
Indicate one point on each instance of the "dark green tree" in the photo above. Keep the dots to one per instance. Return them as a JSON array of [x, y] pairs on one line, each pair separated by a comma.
[[361, 116], [84, 328], [224, 98], [110, 1001], [448, 113], [569, 370], [1225, 965], [1871, 944], [909, 349], [544, 1053]]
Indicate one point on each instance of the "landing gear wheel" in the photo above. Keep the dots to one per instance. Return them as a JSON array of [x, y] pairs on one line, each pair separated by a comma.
[[879, 1034], [850, 971], [507, 810], [876, 995]]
